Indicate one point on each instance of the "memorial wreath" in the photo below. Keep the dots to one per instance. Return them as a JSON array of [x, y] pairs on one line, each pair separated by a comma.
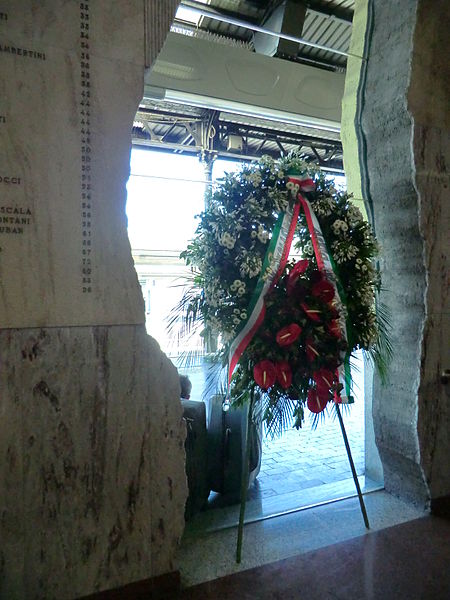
[[283, 271]]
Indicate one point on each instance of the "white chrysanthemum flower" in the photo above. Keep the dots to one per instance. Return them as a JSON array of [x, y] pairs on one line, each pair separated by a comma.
[[237, 283], [336, 227], [227, 240], [267, 161], [263, 236], [339, 225], [293, 188], [354, 215], [255, 179], [244, 270], [324, 207], [308, 249]]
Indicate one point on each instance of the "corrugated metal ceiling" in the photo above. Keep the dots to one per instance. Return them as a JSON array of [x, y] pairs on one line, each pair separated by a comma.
[[327, 23]]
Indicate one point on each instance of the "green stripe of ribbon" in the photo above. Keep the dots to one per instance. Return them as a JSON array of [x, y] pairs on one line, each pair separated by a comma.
[[343, 297]]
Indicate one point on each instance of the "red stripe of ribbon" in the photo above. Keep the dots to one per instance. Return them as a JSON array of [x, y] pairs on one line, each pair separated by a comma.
[[287, 245], [307, 185], [312, 232]]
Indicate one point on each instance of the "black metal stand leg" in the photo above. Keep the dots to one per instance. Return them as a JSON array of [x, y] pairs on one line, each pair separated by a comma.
[[352, 466], [245, 477]]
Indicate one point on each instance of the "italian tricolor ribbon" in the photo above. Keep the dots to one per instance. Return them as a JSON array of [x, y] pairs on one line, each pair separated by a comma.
[[325, 264], [273, 266]]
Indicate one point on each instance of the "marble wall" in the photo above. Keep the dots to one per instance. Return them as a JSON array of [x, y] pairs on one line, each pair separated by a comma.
[[405, 124], [92, 482], [428, 101]]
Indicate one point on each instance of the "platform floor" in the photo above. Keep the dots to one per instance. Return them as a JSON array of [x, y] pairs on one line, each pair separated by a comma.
[[409, 561]]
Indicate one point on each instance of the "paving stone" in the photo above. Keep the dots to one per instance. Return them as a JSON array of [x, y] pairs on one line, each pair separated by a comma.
[[309, 457]]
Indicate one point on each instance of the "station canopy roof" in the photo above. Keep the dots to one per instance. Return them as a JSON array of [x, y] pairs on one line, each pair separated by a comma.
[[314, 33]]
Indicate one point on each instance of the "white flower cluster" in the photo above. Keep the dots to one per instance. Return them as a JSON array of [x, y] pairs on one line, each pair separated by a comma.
[[293, 188], [254, 178], [251, 265], [308, 249], [238, 286], [354, 215], [339, 226], [360, 265], [343, 251], [268, 162], [279, 199], [213, 293], [238, 316], [255, 207], [263, 236], [370, 330], [324, 207], [227, 240], [365, 270], [365, 294]]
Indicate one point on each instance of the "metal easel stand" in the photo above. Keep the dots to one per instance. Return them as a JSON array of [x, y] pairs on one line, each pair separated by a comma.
[[352, 466], [245, 476]]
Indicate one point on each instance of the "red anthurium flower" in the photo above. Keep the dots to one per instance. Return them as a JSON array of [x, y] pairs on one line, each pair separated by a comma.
[[264, 374], [284, 374], [298, 269], [334, 328], [324, 381], [314, 402], [323, 290], [312, 314], [287, 335], [311, 352]]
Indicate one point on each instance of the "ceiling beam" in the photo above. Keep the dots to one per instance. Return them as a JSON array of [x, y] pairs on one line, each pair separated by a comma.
[[337, 13]]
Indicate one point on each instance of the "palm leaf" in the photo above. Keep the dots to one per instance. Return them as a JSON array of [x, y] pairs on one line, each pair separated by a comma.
[[185, 321], [381, 353], [278, 417]]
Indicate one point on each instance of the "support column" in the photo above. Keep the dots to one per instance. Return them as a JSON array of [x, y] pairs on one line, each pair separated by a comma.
[[207, 159]]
